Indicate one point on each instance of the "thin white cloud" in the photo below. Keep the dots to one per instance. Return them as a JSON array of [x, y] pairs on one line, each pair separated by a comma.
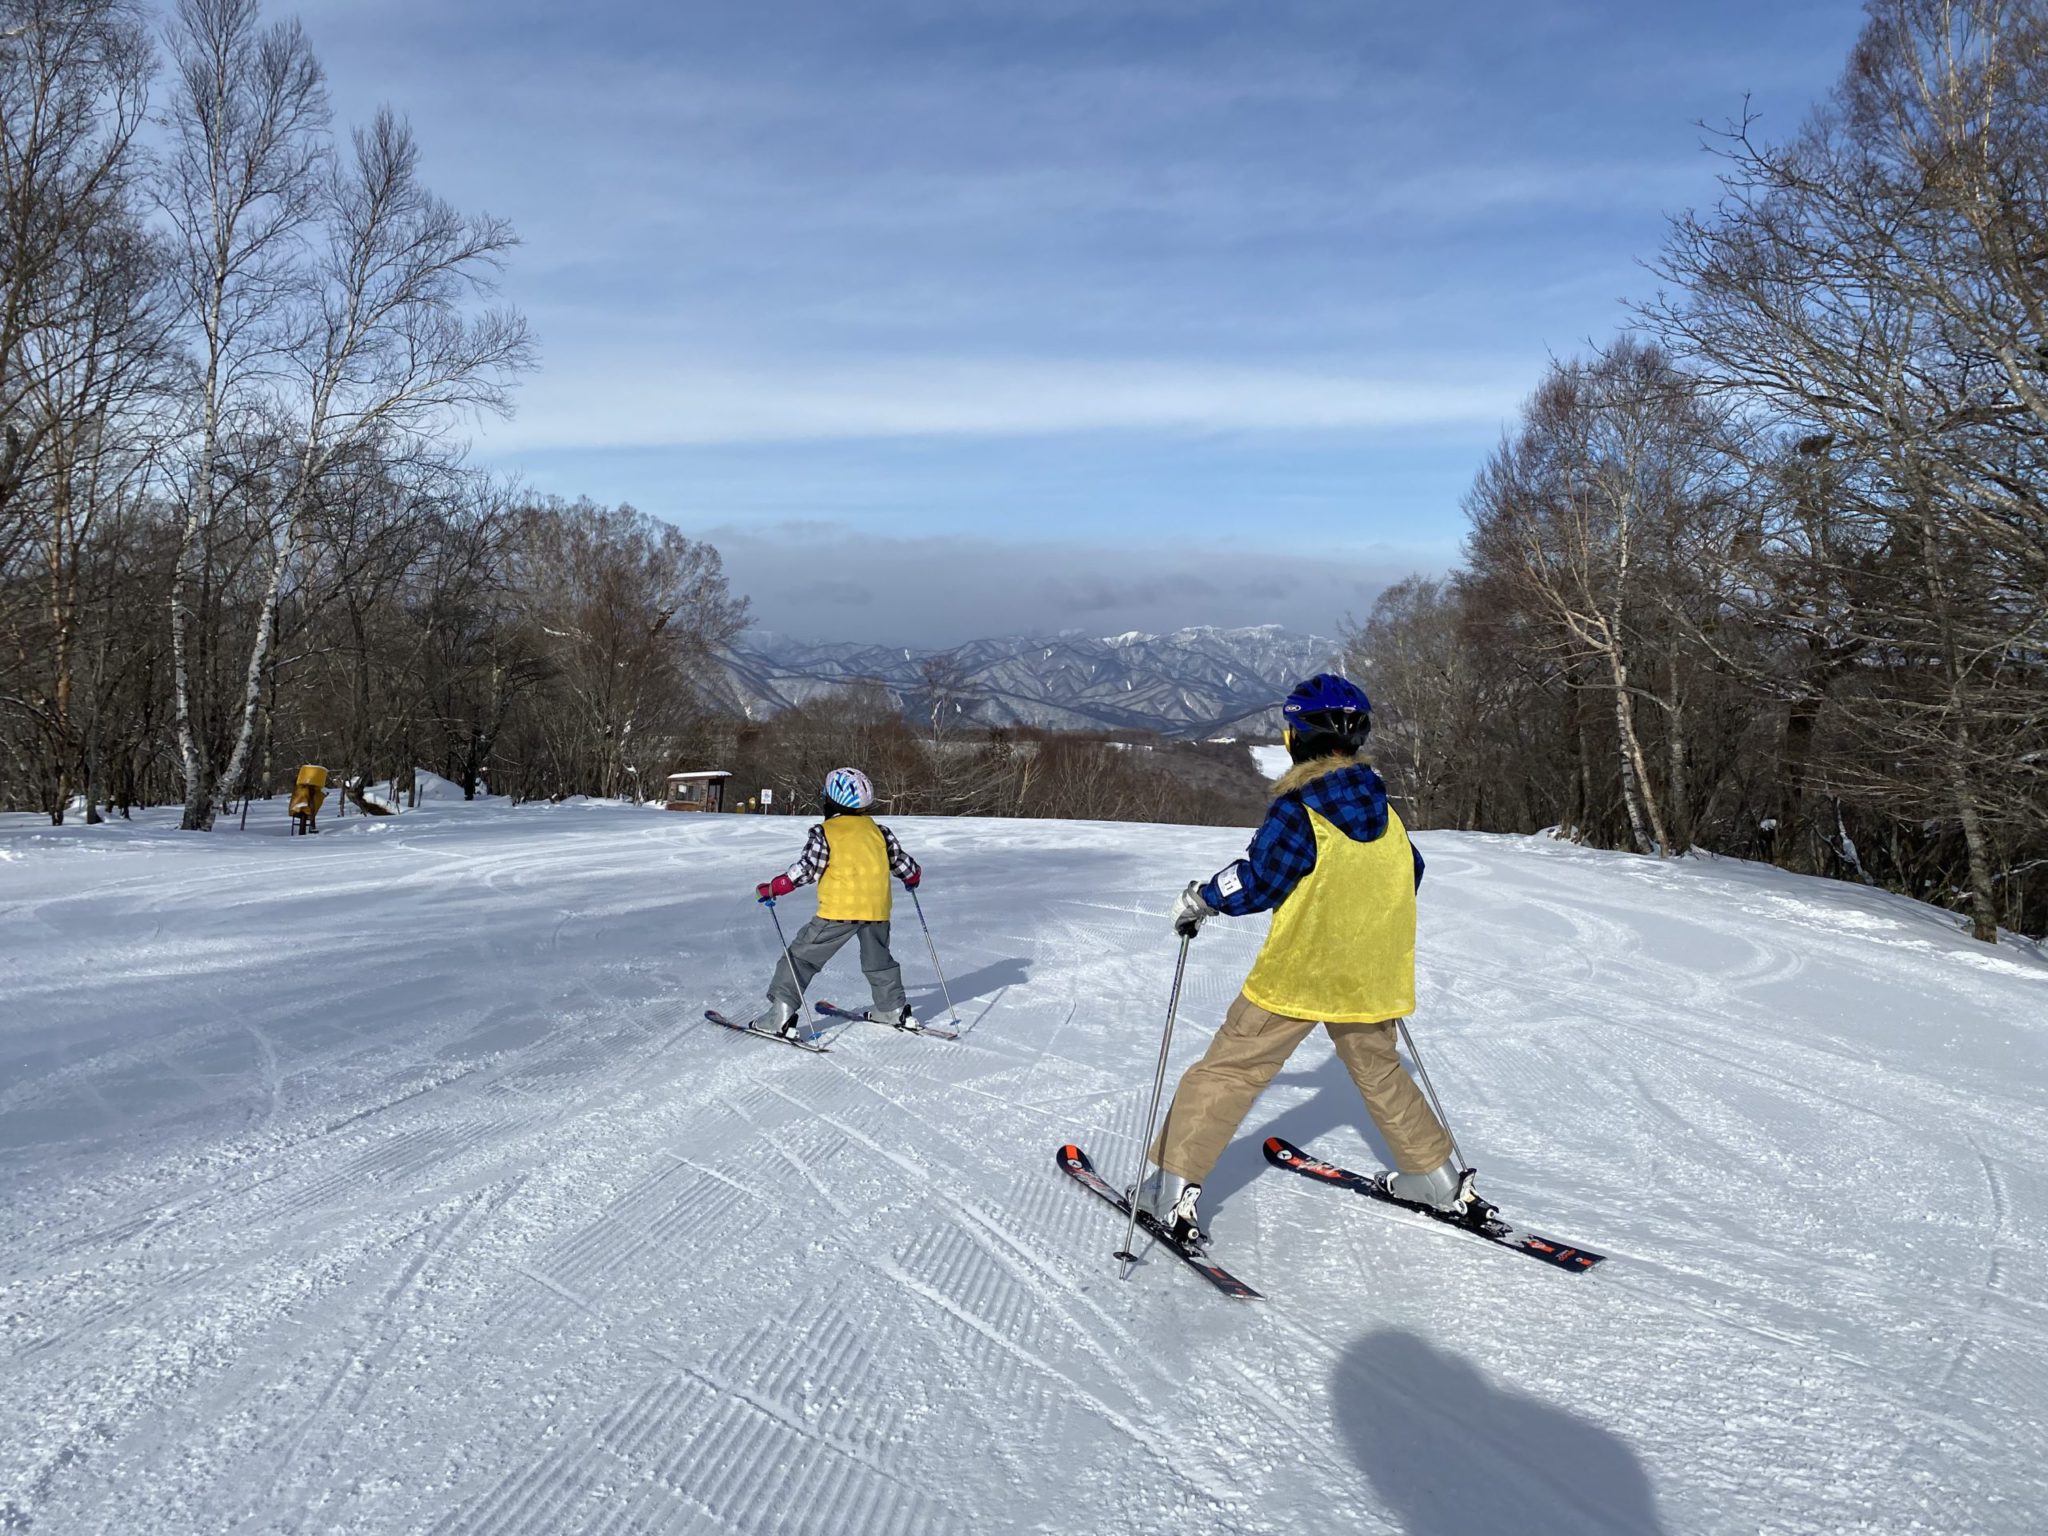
[[643, 404]]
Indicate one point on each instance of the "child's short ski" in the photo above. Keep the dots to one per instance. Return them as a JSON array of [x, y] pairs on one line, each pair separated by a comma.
[[937, 1032], [1075, 1162], [804, 1044], [1490, 1226]]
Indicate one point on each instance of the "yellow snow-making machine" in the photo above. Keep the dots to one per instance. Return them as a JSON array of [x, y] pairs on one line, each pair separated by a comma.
[[308, 795]]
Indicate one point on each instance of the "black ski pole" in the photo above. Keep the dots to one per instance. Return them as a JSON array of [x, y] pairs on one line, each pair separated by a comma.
[[1434, 1102], [928, 944], [1126, 1255]]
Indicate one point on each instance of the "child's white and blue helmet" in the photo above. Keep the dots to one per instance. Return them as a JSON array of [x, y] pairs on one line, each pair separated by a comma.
[[849, 789]]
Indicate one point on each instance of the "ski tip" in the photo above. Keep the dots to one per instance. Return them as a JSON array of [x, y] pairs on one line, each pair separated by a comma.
[[1278, 1151], [1566, 1256], [1071, 1156]]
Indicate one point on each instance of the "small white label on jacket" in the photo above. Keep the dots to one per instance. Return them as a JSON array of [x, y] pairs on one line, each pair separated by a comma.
[[1227, 882]]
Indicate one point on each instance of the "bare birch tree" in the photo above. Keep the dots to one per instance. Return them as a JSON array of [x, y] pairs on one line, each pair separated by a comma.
[[247, 120]]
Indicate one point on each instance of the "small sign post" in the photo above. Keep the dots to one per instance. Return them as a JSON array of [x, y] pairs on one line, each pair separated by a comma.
[[767, 800]]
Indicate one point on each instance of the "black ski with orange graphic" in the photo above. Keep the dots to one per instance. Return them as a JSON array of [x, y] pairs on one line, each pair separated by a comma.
[[1486, 1224], [1075, 1164]]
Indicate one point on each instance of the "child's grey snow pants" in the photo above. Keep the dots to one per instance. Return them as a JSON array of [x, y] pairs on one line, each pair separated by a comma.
[[818, 941], [1217, 1092]]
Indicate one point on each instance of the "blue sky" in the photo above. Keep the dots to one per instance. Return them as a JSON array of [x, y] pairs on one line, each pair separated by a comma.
[[945, 318]]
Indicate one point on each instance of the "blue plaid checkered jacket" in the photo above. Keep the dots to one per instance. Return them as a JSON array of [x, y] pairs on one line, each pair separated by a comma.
[[1283, 851]]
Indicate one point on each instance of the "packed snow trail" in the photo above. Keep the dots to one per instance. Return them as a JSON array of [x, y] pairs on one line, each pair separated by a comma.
[[389, 1180]]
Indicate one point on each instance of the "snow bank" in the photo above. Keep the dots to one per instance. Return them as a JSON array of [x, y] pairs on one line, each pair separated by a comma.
[[431, 787], [386, 1182]]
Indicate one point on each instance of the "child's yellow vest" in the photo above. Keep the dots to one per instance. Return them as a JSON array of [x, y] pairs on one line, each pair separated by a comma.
[[1342, 945], [855, 885]]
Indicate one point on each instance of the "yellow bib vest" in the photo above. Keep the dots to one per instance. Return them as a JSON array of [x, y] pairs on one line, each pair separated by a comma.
[[855, 885], [1342, 945]]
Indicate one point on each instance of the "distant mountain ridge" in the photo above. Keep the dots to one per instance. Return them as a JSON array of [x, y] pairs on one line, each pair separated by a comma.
[[1192, 683]]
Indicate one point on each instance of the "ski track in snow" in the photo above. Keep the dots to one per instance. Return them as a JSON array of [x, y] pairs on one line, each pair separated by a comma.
[[386, 1181]]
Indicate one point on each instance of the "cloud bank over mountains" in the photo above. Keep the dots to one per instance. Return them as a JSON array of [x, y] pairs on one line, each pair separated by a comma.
[[830, 582]]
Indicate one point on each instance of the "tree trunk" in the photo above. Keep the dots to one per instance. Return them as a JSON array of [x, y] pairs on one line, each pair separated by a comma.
[[259, 656], [1983, 897], [1582, 779], [1645, 820], [1795, 755], [192, 755], [1983, 900], [312, 458], [1678, 780], [63, 616]]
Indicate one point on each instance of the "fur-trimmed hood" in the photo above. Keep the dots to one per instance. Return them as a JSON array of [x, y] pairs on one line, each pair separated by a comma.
[[1341, 789], [1301, 775]]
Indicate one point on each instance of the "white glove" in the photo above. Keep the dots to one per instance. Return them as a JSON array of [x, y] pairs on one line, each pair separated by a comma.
[[1191, 911]]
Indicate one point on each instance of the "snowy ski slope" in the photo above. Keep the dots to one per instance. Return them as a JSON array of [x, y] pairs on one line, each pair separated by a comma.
[[386, 1181]]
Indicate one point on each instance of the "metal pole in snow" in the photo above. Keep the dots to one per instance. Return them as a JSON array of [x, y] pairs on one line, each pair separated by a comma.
[[787, 955], [1126, 1254], [928, 944]]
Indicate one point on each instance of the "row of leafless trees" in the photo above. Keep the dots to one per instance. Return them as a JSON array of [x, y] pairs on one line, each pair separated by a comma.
[[1770, 574], [236, 531], [919, 769]]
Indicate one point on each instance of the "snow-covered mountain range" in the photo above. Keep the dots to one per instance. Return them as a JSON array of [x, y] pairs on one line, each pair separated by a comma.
[[1194, 682]]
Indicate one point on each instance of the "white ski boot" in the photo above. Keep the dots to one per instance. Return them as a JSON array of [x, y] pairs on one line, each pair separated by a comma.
[[1445, 1188], [777, 1019], [1170, 1200], [900, 1018]]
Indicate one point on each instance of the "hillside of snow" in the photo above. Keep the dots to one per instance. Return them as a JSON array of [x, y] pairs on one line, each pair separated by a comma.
[[387, 1180], [1270, 761]]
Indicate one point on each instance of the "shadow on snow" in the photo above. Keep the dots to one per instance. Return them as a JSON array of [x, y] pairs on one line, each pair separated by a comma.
[[985, 982], [1336, 1105], [1450, 1453]]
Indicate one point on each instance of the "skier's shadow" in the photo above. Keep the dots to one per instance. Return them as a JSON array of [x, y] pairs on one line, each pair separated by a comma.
[[1336, 1106], [1451, 1453], [972, 984]]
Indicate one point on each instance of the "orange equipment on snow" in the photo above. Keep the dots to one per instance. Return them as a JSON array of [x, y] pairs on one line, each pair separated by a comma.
[[307, 798]]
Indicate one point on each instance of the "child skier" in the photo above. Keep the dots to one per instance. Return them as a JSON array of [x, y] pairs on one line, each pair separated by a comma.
[[1334, 865], [851, 856]]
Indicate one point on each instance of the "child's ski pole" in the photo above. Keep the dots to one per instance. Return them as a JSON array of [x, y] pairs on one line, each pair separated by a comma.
[[769, 903], [928, 944], [1126, 1254], [1435, 1103]]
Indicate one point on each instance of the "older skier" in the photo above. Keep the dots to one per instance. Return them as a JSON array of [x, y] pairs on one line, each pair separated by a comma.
[[1333, 863]]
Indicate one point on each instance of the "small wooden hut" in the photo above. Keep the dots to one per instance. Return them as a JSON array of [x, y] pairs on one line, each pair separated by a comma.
[[703, 790]]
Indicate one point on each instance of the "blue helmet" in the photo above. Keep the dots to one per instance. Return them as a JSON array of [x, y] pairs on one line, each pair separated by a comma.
[[849, 788], [1328, 705]]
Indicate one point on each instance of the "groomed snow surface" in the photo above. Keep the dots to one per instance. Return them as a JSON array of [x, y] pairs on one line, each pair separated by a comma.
[[387, 1181]]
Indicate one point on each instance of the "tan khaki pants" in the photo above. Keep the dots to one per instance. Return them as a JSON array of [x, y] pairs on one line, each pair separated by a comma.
[[1217, 1092]]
